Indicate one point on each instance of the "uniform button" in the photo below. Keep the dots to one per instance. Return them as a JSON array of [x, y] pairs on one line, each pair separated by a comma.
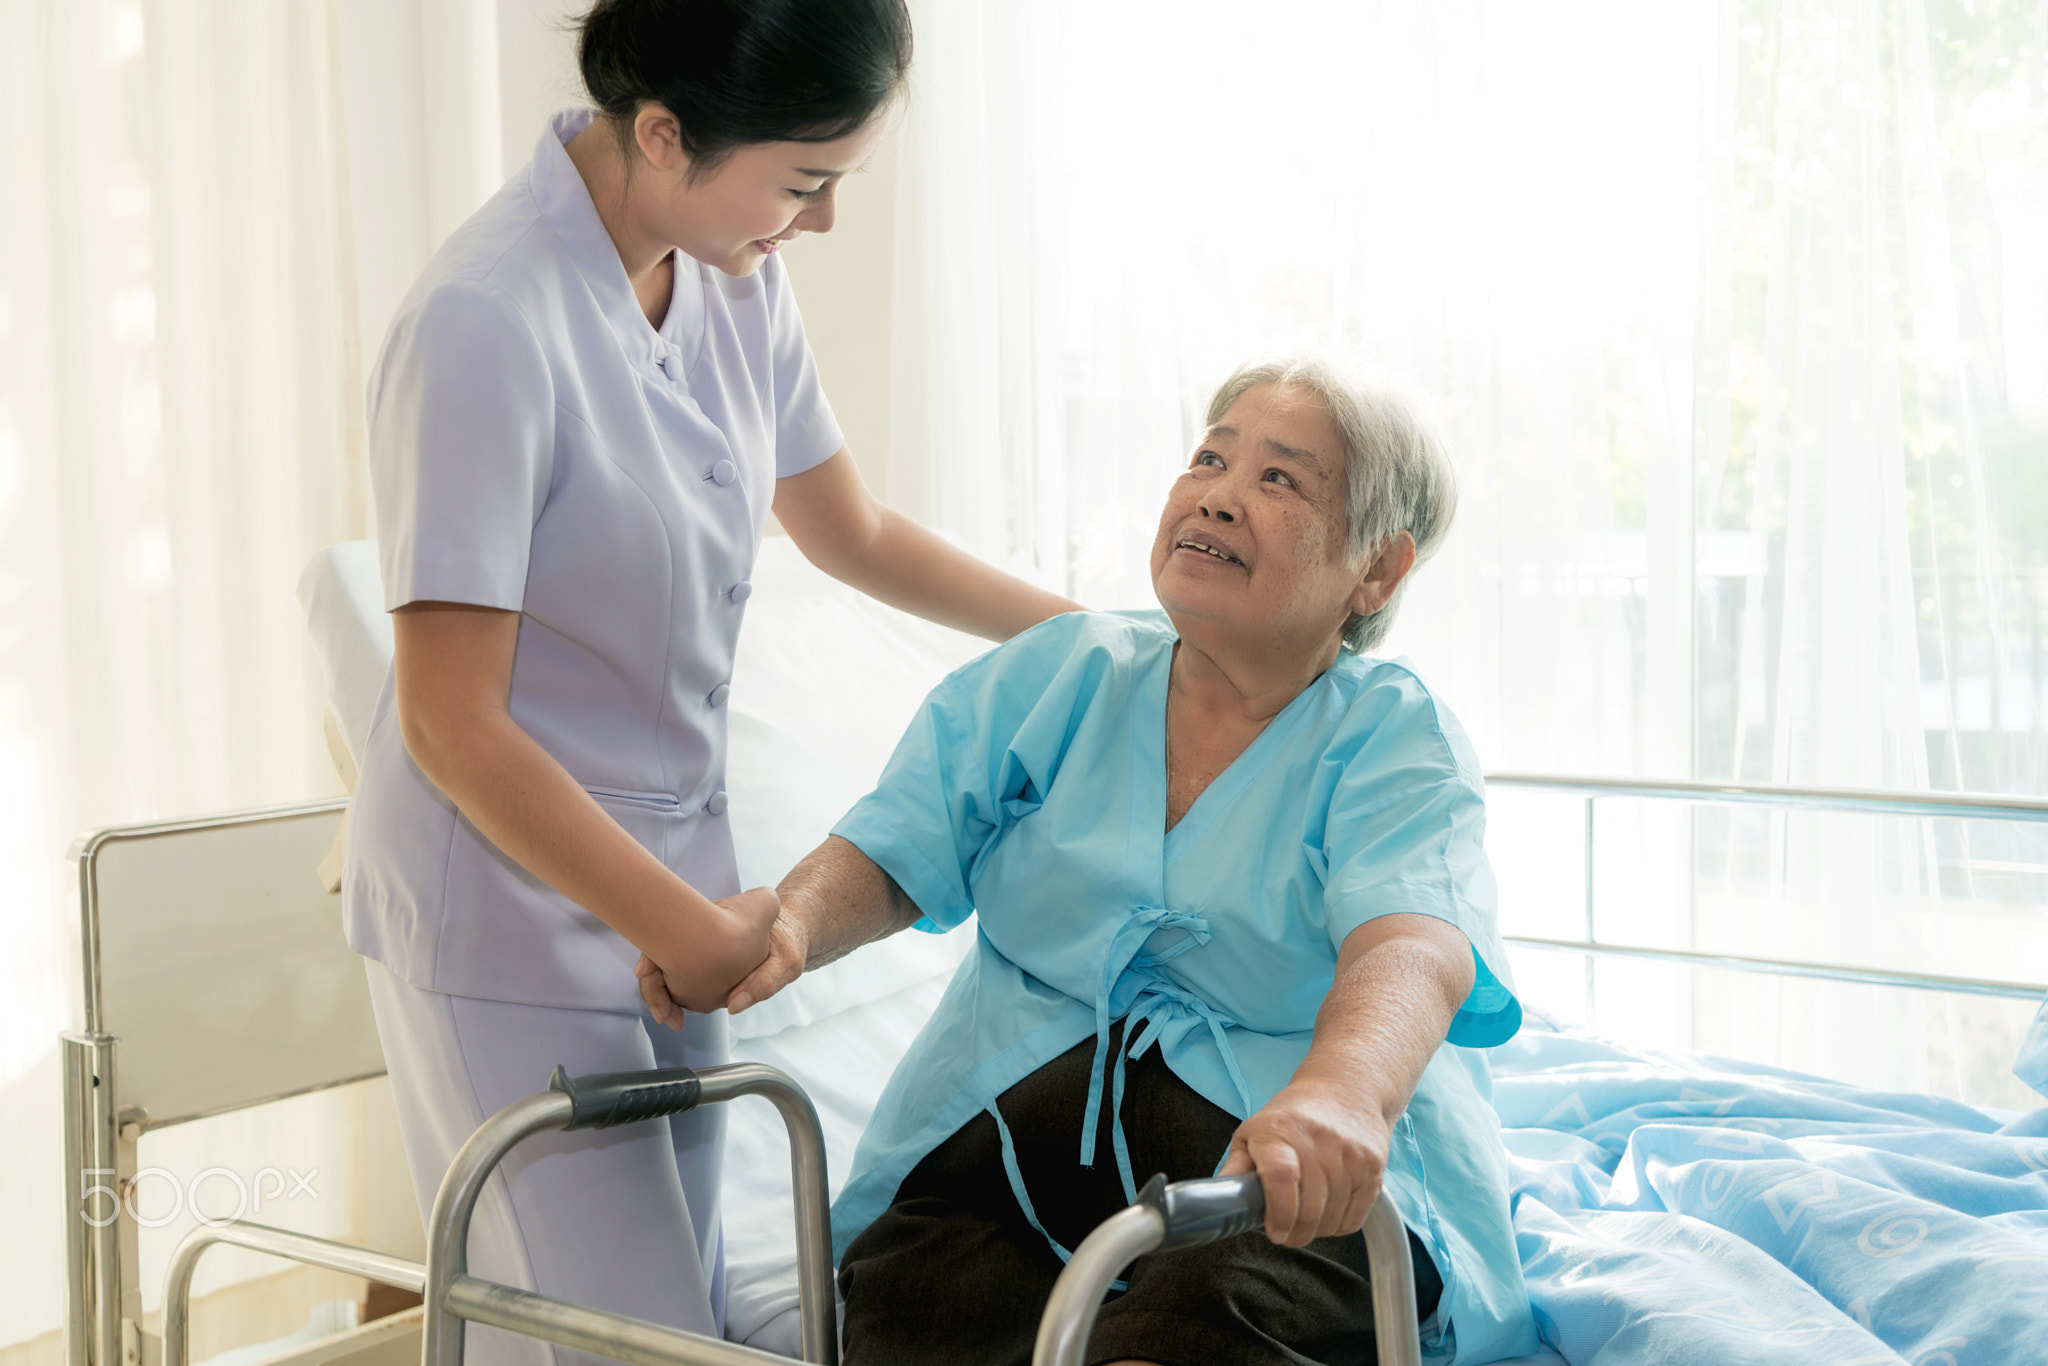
[[741, 591], [724, 472], [716, 806], [671, 367], [719, 694]]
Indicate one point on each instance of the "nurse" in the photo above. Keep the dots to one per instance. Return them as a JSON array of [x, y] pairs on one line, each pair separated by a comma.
[[581, 419]]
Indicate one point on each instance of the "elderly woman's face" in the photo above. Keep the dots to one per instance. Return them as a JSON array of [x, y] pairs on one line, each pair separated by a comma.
[[1252, 540]]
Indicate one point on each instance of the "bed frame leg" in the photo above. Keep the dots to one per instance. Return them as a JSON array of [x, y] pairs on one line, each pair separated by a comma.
[[92, 1203]]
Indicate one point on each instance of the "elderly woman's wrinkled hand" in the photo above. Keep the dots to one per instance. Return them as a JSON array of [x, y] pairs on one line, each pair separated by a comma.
[[788, 949], [1320, 1154]]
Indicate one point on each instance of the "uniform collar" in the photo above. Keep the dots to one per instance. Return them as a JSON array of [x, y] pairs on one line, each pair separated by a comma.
[[565, 204]]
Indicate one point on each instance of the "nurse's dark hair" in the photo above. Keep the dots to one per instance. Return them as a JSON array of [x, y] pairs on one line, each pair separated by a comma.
[[735, 72]]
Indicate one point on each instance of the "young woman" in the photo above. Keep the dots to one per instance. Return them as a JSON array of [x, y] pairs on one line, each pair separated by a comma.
[[583, 414]]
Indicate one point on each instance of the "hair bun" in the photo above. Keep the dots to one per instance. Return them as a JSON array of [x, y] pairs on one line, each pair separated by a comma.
[[735, 72]]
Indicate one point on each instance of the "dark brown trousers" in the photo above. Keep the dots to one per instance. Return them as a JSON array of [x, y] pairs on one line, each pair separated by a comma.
[[953, 1273]]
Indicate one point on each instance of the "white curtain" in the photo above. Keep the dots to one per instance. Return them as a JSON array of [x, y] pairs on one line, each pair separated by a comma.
[[179, 429], [1738, 311]]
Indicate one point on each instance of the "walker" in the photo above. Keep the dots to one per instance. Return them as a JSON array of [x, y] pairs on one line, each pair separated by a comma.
[[1165, 1218]]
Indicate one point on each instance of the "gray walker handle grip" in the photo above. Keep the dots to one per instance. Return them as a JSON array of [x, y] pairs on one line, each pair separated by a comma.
[[1191, 1213], [1197, 1212], [604, 1099]]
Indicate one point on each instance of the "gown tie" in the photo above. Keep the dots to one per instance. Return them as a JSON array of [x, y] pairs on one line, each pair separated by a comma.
[[1134, 991]]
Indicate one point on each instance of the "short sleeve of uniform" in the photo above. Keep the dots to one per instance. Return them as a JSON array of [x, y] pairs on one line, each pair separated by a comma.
[[1406, 833], [461, 449], [806, 433]]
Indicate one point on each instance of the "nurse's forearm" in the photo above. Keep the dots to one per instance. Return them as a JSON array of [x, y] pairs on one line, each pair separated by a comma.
[[916, 571], [843, 900], [451, 665], [528, 805], [841, 528], [1399, 983]]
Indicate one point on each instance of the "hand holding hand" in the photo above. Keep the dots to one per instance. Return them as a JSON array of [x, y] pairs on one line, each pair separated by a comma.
[[697, 968], [1320, 1151], [654, 991], [788, 950]]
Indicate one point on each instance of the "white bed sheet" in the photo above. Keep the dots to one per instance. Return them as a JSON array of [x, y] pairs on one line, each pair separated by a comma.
[[841, 1062]]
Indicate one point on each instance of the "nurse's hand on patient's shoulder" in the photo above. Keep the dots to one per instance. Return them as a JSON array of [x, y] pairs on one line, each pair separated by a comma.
[[1320, 1156], [696, 969]]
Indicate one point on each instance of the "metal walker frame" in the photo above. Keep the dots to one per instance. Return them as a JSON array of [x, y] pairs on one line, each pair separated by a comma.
[[1165, 1219], [454, 1298]]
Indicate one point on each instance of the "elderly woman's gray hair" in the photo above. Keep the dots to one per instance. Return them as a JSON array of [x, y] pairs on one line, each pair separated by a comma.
[[1398, 474]]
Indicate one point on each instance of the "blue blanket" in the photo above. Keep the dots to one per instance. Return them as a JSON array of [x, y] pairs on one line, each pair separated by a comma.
[[1681, 1208]]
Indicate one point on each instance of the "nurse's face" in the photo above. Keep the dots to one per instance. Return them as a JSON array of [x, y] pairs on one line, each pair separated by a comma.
[[761, 196], [1251, 547]]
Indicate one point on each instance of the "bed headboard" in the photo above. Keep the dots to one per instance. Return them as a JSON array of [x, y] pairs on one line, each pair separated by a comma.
[[192, 930]]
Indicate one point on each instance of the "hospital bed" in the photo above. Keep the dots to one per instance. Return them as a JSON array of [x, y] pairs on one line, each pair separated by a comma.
[[215, 977]]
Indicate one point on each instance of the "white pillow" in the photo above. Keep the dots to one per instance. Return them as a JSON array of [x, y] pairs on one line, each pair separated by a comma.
[[825, 683], [343, 598]]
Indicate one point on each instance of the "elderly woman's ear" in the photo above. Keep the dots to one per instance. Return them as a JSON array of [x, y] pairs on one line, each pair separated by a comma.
[[1383, 574]]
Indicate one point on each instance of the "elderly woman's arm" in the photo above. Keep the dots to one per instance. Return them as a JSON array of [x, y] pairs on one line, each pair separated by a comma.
[[833, 902], [1320, 1146]]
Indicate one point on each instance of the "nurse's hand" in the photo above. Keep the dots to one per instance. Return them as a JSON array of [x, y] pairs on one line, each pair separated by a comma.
[[787, 946], [654, 991], [1320, 1156], [700, 960]]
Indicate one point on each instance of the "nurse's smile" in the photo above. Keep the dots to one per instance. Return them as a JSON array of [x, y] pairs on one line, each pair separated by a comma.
[[731, 213]]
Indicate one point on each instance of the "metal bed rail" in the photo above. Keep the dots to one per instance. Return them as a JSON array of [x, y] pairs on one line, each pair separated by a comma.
[[1954, 806], [346, 1258]]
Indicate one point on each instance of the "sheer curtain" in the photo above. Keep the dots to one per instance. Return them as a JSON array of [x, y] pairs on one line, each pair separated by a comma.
[[1738, 313], [179, 429]]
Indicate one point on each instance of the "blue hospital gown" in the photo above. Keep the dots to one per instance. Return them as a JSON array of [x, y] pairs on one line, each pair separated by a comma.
[[1031, 789]]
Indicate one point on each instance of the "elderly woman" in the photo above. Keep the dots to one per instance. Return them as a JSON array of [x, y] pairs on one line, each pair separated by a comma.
[[1234, 913]]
